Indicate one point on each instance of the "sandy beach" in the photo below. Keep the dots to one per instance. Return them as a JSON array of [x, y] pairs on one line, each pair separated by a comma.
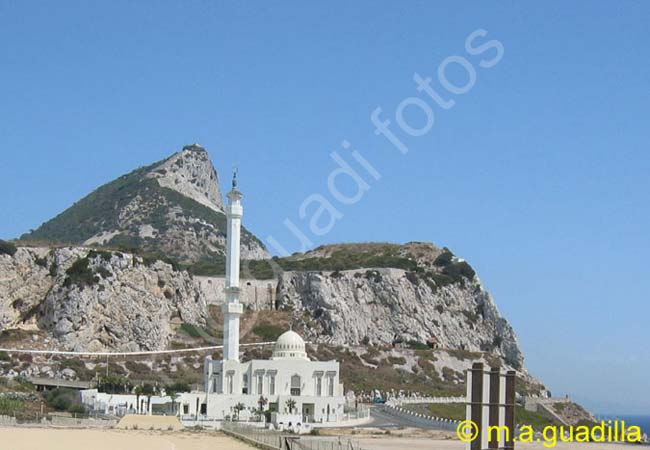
[[78, 439]]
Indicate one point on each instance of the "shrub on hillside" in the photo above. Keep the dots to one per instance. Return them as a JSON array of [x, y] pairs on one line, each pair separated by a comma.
[[268, 331], [65, 400], [7, 248], [459, 270], [80, 274], [191, 330], [416, 345], [41, 262], [10, 406], [444, 259]]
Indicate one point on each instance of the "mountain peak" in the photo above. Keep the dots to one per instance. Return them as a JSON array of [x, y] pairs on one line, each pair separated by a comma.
[[195, 148], [190, 173], [172, 208]]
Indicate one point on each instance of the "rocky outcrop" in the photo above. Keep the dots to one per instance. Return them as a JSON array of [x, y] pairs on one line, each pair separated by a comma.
[[382, 306], [191, 174], [24, 283], [93, 301]]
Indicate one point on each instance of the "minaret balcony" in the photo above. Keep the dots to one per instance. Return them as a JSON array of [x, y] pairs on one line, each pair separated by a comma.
[[232, 308], [235, 211]]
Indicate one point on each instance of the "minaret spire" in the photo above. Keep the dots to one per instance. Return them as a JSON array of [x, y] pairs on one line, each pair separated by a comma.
[[232, 309]]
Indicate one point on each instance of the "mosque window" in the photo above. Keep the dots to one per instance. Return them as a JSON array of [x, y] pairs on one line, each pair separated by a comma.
[[229, 383], [295, 385]]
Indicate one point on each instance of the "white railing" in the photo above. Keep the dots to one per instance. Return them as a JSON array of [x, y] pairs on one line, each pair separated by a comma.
[[397, 401]]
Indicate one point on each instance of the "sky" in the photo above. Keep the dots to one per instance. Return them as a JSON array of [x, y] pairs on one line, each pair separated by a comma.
[[537, 175]]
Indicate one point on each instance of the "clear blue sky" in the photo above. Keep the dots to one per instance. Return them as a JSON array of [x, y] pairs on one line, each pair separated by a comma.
[[538, 175]]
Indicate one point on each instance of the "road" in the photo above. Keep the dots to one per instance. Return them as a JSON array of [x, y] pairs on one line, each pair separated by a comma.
[[382, 418]]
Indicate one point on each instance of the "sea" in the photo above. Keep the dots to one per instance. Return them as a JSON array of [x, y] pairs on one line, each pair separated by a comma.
[[642, 422]]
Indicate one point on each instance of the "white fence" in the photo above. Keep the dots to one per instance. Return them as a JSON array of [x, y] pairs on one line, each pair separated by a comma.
[[59, 421], [270, 440], [411, 400]]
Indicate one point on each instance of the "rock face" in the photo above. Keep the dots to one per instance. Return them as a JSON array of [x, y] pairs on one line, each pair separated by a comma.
[[190, 173], [94, 301], [387, 305], [172, 208]]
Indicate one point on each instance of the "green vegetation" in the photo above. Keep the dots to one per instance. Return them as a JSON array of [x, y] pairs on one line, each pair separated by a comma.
[[79, 368], [178, 386], [536, 420], [41, 262], [80, 274], [457, 411], [415, 345], [463, 354], [7, 248], [192, 330], [208, 334], [104, 255], [453, 411], [444, 259], [114, 384], [9, 406], [359, 377], [268, 331], [396, 360], [65, 400], [352, 257]]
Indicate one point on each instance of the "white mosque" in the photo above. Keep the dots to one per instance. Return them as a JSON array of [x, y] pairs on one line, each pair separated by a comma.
[[289, 385], [289, 382]]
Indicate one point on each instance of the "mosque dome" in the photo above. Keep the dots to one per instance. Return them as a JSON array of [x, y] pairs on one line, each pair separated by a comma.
[[289, 346]]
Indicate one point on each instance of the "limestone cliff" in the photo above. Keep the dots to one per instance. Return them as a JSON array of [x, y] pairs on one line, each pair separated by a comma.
[[384, 306], [96, 300], [356, 294], [434, 298]]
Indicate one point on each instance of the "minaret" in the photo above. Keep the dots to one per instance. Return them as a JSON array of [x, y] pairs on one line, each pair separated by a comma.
[[232, 309]]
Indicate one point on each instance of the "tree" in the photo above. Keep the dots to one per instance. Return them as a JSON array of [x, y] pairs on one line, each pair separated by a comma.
[[291, 404], [149, 390], [138, 392], [239, 407], [173, 396], [262, 401]]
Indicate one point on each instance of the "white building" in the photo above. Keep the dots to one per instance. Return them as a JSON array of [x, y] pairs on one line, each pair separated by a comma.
[[288, 383]]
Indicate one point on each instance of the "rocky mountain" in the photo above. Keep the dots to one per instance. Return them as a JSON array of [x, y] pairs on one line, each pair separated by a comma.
[[138, 265], [172, 208]]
